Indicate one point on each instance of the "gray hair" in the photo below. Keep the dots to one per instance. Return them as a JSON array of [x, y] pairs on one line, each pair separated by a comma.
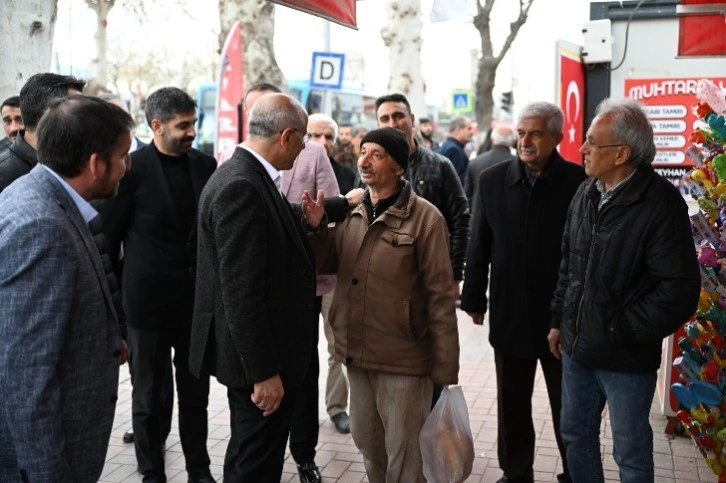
[[268, 118], [358, 129], [324, 118], [544, 110], [630, 126], [503, 136], [457, 122]]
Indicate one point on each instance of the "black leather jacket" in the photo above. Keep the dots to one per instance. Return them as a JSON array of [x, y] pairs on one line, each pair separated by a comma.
[[433, 178], [16, 161], [629, 275]]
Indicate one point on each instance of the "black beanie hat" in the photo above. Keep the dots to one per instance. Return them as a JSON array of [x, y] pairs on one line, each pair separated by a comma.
[[393, 141]]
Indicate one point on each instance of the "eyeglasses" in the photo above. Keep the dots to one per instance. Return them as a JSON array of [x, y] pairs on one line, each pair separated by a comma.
[[306, 136], [592, 145]]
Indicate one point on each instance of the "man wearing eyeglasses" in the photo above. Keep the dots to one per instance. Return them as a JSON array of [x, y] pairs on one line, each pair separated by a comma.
[[519, 214], [629, 277]]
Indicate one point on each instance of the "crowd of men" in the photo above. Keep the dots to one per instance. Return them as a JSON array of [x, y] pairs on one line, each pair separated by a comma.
[[115, 251]]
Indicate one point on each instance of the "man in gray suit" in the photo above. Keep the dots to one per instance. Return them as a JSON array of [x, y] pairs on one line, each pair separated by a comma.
[[60, 346]]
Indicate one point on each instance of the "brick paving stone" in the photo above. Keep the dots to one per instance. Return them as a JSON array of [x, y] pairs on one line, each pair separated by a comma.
[[676, 460]]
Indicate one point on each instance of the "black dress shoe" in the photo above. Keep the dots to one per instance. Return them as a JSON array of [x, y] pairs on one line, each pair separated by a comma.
[[309, 473], [516, 479], [201, 479], [341, 422], [129, 436]]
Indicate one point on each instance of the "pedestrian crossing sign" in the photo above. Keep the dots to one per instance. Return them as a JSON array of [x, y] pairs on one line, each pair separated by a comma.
[[461, 101]]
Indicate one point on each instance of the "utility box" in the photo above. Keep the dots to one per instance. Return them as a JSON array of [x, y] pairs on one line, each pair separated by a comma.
[[598, 42]]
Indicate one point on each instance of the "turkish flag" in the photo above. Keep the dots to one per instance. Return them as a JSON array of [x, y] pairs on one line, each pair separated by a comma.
[[338, 11], [572, 102], [702, 34]]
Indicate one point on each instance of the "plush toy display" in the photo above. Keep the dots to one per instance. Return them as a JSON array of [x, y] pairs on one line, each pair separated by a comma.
[[702, 362]]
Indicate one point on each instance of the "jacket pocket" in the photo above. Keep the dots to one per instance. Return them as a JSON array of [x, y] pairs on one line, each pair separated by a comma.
[[397, 239]]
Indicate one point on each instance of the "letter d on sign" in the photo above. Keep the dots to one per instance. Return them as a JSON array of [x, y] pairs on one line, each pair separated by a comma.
[[327, 70]]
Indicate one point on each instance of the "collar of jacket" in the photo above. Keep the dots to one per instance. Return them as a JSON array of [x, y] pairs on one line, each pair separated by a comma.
[[23, 150], [414, 158], [395, 214], [632, 191], [516, 174]]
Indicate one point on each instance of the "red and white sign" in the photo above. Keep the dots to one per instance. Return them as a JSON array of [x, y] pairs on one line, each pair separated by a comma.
[[669, 105], [231, 93], [571, 96]]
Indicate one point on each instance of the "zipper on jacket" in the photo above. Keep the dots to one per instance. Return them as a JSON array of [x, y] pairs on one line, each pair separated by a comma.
[[598, 217]]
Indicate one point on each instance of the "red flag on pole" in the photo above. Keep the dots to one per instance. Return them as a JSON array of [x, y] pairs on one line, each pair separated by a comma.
[[338, 11], [231, 93]]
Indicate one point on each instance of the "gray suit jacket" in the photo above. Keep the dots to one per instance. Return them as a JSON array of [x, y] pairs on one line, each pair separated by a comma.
[[60, 339]]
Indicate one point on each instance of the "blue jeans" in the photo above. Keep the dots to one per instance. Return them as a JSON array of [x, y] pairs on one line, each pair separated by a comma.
[[629, 396]]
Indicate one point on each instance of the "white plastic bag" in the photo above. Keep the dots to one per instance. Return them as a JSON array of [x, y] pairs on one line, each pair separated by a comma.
[[447, 447]]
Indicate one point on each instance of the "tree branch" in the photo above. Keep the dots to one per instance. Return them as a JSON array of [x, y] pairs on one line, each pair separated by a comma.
[[524, 6]]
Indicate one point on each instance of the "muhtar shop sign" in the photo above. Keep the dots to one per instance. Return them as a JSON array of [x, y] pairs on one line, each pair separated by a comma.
[[669, 104]]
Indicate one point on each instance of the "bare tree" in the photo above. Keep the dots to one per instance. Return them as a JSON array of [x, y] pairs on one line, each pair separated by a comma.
[[258, 31], [102, 9], [26, 41], [489, 62], [402, 36]]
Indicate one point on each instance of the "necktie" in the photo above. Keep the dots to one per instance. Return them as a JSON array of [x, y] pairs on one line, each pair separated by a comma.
[[96, 227]]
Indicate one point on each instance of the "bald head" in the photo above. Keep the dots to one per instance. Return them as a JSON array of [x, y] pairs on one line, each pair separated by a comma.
[[503, 136], [275, 112], [277, 127]]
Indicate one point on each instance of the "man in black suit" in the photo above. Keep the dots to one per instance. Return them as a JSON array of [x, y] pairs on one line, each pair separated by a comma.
[[167, 389], [154, 216], [254, 313]]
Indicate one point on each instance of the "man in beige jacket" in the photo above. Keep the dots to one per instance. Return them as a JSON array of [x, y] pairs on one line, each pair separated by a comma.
[[393, 312]]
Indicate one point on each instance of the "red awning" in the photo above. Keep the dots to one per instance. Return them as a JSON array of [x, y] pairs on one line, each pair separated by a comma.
[[338, 11], [702, 34]]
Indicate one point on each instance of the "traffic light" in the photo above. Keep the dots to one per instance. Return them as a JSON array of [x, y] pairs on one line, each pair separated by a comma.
[[507, 101]]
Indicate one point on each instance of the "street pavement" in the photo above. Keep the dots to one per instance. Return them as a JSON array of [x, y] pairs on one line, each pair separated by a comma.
[[676, 459]]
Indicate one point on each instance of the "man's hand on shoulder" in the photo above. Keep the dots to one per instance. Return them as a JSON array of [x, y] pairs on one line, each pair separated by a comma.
[[354, 197], [268, 395]]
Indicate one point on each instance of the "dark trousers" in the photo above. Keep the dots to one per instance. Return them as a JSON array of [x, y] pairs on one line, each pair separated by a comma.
[[167, 397], [256, 449], [305, 426], [515, 429], [150, 350]]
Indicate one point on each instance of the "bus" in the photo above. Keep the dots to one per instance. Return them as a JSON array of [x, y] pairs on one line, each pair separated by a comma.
[[348, 106]]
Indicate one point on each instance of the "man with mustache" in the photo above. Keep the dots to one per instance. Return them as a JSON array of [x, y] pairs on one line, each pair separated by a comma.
[[12, 121], [519, 216], [154, 216]]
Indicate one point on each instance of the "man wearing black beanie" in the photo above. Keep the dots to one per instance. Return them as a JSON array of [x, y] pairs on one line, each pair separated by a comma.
[[393, 312]]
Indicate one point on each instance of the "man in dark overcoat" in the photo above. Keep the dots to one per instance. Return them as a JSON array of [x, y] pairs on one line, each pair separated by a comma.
[[519, 216]]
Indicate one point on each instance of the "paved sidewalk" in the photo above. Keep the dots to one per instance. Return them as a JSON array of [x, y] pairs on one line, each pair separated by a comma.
[[676, 460]]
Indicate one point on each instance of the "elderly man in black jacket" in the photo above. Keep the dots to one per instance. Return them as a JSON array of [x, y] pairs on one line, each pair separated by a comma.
[[519, 214], [629, 277]]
